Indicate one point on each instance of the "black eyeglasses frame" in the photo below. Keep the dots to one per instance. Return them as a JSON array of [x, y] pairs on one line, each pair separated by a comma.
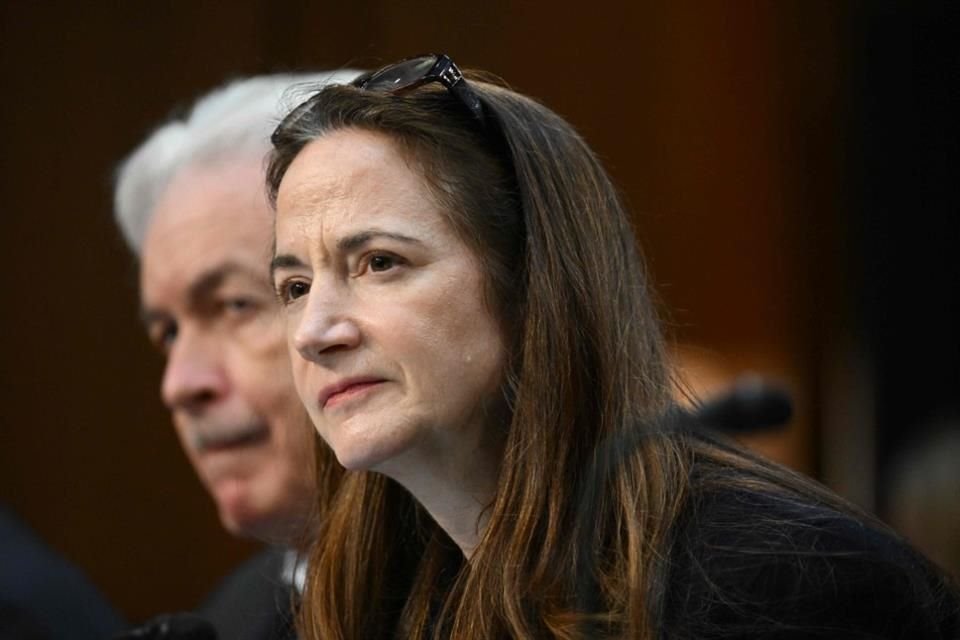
[[394, 78]]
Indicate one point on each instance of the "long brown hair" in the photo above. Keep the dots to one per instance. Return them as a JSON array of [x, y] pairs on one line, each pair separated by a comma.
[[578, 530]]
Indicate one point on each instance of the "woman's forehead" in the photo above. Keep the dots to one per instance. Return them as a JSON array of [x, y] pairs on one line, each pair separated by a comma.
[[350, 180], [341, 164]]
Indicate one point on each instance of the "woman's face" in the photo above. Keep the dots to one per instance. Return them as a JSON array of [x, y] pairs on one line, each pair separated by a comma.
[[395, 355]]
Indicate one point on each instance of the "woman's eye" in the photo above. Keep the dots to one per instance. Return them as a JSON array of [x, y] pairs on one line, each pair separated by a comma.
[[290, 291], [382, 262]]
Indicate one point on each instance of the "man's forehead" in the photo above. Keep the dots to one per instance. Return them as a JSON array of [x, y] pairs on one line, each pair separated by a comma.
[[222, 193], [211, 211], [209, 228]]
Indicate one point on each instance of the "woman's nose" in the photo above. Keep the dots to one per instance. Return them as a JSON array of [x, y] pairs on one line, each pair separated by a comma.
[[325, 327]]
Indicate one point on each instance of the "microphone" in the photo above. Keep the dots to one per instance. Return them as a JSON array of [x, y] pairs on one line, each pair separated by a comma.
[[174, 626], [751, 405]]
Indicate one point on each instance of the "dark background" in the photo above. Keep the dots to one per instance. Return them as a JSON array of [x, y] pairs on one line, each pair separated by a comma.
[[791, 166]]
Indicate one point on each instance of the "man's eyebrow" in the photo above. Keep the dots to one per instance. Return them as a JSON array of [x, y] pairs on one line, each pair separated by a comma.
[[204, 285], [149, 317], [211, 279]]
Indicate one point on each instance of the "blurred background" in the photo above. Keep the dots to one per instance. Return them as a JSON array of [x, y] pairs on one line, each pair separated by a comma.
[[792, 168]]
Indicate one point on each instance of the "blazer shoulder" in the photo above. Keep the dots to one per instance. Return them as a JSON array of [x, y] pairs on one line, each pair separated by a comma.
[[761, 564]]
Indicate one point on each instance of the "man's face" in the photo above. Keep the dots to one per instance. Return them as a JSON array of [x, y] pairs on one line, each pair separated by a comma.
[[209, 306]]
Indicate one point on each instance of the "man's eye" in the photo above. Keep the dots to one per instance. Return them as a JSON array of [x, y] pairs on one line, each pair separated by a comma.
[[238, 305], [162, 337]]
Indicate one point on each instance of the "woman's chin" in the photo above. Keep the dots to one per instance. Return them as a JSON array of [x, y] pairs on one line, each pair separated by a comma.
[[366, 457], [353, 460]]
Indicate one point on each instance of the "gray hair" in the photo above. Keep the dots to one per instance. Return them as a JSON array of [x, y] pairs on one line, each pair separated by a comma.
[[234, 119]]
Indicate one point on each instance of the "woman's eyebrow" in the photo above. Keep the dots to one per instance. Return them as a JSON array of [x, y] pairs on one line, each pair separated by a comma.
[[357, 240], [285, 261], [345, 244]]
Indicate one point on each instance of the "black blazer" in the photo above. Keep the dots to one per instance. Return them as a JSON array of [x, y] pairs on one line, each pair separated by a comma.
[[757, 565]]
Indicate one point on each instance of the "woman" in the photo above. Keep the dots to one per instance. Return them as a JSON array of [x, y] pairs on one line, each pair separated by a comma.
[[473, 335]]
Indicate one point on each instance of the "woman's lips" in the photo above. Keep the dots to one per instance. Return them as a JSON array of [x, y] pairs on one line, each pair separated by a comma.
[[345, 390]]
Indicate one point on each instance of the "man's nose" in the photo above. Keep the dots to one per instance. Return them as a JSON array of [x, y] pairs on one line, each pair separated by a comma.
[[194, 376]]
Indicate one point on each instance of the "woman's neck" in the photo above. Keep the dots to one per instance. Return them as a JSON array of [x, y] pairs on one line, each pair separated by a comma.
[[455, 480]]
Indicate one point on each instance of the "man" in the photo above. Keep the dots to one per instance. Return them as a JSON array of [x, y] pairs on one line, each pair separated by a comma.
[[192, 206]]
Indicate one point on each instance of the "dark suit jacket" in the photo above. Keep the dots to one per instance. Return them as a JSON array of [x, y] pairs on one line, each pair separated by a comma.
[[254, 602], [755, 565], [42, 596]]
